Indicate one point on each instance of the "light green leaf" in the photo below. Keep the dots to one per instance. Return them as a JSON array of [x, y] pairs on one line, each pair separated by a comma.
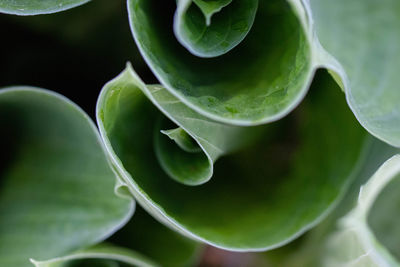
[[36, 7], [182, 139], [212, 138], [209, 8], [56, 193], [368, 235], [253, 201], [364, 37]]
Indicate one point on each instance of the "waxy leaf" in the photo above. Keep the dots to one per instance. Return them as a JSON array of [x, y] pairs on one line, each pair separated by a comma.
[[209, 8], [35, 7], [364, 38], [368, 235], [243, 73], [206, 38], [253, 201], [310, 250], [57, 187], [259, 81]]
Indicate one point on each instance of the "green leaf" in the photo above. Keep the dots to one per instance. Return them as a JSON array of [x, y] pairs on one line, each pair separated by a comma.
[[212, 138], [368, 235], [253, 201], [102, 254], [264, 73], [56, 191], [259, 81], [209, 8], [194, 29], [363, 36], [36, 7], [308, 250], [138, 241]]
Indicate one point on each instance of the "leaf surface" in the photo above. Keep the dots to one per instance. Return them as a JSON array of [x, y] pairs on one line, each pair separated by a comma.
[[263, 75], [253, 201], [57, 187], [205, 38], [364, 38], [368, 235], [36, 7], [259, 81]]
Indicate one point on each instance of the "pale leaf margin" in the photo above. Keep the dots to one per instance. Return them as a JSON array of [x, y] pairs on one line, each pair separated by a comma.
[[14, 8], [105, 251], [354, 244], [120, 188], [319, 58]]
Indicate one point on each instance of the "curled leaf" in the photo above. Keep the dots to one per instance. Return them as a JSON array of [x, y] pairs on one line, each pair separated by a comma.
[[205, 38], [368, 235], [253, 201], [254, 61], [260, 80]]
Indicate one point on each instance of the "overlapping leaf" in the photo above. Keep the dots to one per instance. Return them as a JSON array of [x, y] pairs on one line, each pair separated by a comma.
[[311, 250], [258, 72], [253, 201], [229, 64], [258, 81], [142, 242], [57, 188], [368, 235], [57, 193]]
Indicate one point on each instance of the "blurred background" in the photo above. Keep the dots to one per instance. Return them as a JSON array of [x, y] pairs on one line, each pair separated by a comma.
[[75, 53]]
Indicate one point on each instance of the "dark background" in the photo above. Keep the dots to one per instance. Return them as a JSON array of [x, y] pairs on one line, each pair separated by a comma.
[[74, 52]]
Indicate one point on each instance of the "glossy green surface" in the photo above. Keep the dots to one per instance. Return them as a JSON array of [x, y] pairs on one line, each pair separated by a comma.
[[253, 201]]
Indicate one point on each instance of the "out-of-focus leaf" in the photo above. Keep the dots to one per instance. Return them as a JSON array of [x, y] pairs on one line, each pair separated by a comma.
[[369, 234], [364, 38], [166, 247], [253, 201], [57, 187], [309, 251], [102, 255], [35, 7], [141, 242]]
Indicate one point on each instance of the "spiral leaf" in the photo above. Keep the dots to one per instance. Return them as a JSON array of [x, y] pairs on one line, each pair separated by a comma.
[[253, 202], [254, 62]]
